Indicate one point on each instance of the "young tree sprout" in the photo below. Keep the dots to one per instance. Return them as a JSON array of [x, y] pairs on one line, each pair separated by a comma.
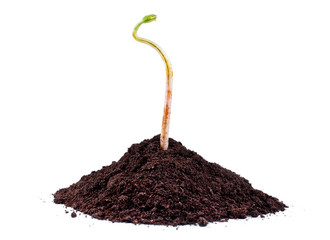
[[169, 81]]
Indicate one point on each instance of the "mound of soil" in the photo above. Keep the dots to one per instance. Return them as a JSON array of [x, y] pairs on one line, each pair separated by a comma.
[[173, 187]]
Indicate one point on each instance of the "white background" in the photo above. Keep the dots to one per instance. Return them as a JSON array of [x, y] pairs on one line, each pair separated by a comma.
[[251, 92]]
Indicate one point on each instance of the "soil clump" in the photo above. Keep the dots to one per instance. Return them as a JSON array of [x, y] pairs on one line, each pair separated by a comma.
[[174, 187]]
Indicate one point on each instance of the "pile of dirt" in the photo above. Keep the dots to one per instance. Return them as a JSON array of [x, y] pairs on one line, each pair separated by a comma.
[[174, 187]]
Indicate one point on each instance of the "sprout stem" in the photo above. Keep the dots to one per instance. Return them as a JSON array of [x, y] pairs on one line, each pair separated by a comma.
[[169, 81]]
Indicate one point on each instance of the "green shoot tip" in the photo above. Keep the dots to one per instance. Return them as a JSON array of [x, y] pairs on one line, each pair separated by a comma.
[[149, 18]]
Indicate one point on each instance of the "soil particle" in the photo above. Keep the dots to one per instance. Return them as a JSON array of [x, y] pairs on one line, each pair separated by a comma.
[[202, 222], [174, 187], [73, 215]]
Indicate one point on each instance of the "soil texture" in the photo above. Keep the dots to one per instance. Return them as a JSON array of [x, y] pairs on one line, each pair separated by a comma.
[[174, 187]]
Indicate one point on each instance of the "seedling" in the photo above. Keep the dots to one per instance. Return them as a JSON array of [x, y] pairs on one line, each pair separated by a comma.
[[169, 81], [143, 187]]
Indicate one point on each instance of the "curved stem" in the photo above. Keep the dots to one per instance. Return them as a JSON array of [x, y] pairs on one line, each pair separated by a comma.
[[169, 81]]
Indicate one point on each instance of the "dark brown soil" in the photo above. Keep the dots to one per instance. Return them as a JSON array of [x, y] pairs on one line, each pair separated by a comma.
[[173, 187]]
